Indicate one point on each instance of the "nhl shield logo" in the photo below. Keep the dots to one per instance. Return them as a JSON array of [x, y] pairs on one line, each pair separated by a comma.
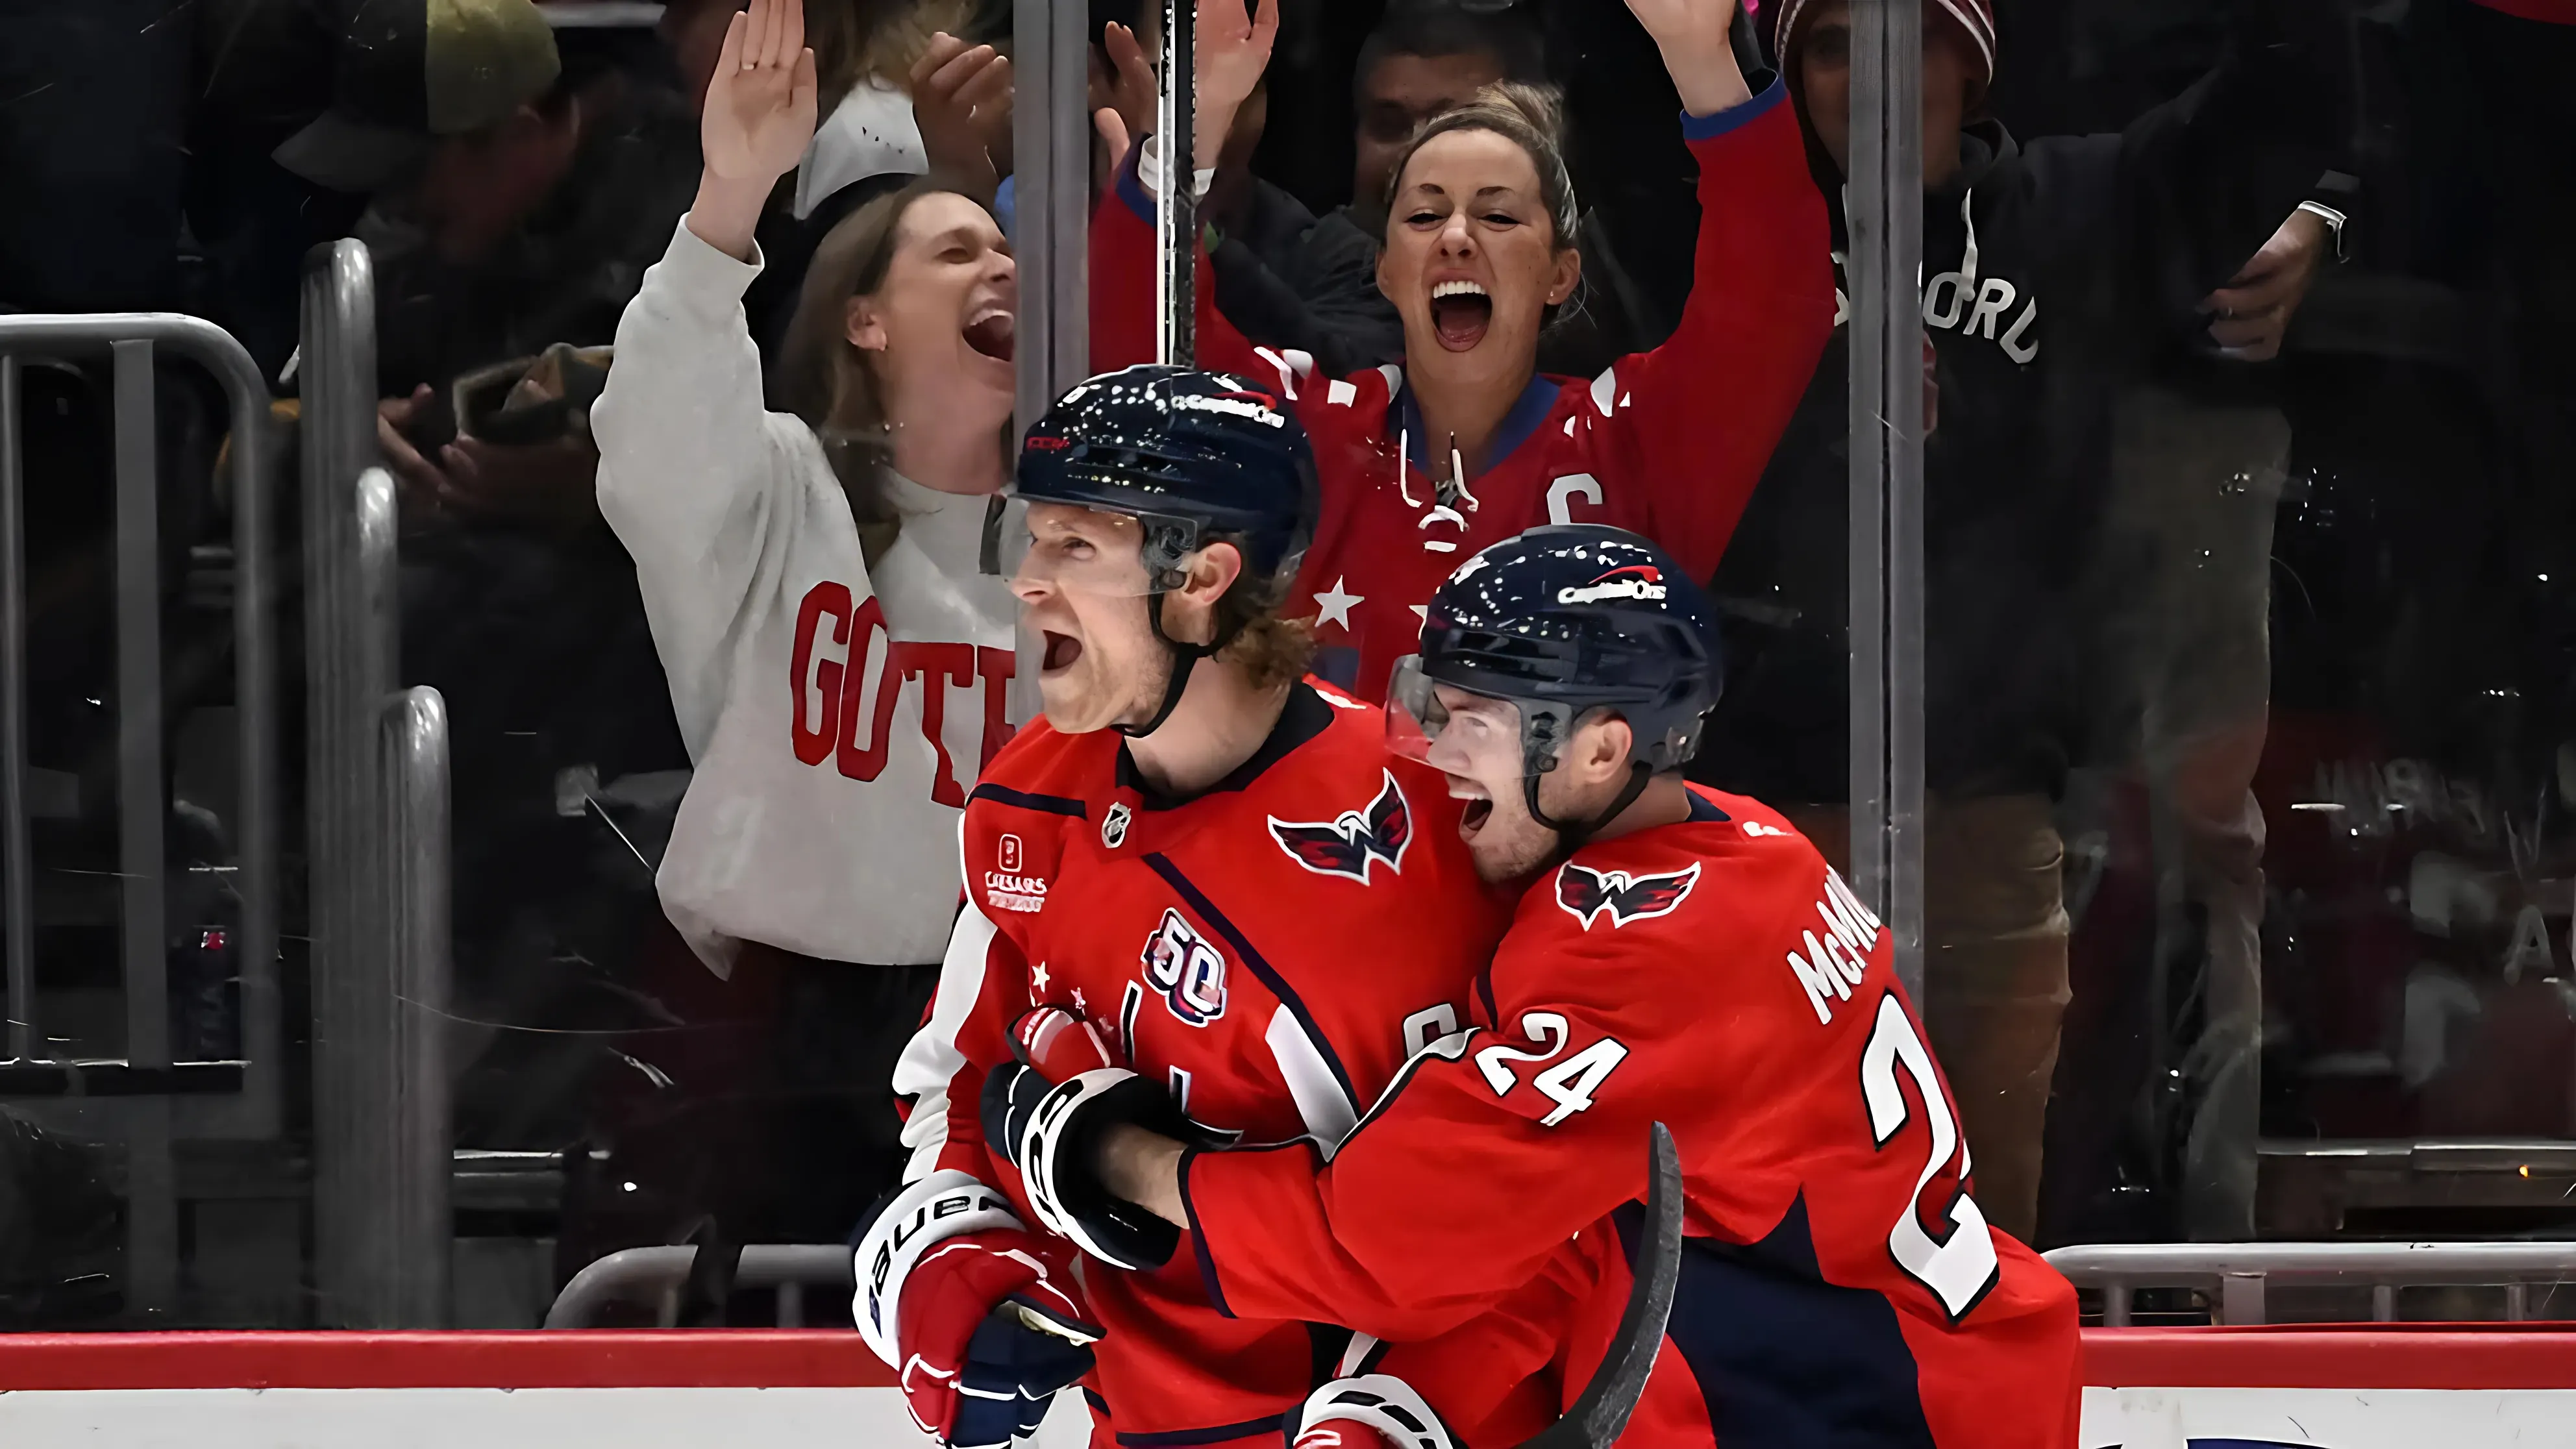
[[1113, 826]]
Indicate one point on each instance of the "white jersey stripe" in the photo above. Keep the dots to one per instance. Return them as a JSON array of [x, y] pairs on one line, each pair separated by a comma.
[[931, 1060], [1327, 1111]]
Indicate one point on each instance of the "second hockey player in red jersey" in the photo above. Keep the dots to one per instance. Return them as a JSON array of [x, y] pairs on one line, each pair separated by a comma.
[[1213, 863], [1677, 955]]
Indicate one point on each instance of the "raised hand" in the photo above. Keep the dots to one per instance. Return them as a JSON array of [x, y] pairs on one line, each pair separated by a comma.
[[1702, 21], [1233, 51], [1694, 36], [1124, 97], [961, 98], [760, 102], [759, 119]]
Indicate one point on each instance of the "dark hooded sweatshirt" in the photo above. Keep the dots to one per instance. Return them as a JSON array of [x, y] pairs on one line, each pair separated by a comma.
[[2053, 275]]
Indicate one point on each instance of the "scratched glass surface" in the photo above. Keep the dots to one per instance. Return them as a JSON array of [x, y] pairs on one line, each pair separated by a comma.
[[2247, 727]]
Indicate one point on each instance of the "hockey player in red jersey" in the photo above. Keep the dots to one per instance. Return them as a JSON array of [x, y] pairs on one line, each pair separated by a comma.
[[1215, 865], [1677, 955], [1466, 443]]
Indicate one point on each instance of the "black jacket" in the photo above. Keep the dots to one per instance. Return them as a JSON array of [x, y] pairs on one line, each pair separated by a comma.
[[2053, 275]]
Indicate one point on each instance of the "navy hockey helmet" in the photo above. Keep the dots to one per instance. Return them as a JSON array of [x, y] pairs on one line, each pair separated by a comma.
[[1193, 457], [1188, 454], [1562, 622]]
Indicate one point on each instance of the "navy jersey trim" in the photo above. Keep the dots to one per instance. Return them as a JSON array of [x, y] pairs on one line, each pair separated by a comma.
[[1304, 716], [1780, 1355], [1190, 1210], [1198, 1239], [1206, 911], [1528, 411], [1130, 186], [1326, 1345], [1431, 1052], [1768, 92], [1177, 1438], [1021, 799], [1705, 812], [1099, 1405]]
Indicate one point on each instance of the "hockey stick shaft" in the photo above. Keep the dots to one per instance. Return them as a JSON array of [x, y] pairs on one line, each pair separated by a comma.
[[1602, 1410]]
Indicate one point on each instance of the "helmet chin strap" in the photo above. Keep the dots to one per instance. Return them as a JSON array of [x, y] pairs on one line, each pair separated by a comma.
[[1185, 658], [1573, 835]]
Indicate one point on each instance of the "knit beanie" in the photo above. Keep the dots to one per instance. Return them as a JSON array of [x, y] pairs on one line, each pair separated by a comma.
[[1976, 17]]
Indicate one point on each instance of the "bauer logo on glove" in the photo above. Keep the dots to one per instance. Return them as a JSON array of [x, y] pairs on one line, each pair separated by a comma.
[[982, 1320]]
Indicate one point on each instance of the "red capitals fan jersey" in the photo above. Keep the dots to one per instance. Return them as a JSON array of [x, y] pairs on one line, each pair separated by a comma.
[[1839, 1284], [1667, 443], [1271, 950]]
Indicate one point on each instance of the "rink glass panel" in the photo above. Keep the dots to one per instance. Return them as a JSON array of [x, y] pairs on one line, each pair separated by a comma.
[[2244, 855]]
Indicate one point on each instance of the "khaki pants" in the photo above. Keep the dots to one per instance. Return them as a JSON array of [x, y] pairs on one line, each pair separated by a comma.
[[1994, 977], [2194, 490]]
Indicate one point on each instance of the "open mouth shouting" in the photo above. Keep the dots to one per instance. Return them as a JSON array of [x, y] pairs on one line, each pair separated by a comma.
[[1461, 310], [993, 332], [1061, 651], [1480, 806]]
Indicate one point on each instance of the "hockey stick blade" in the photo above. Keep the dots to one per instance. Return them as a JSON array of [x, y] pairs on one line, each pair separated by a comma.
[[1602, 1410]]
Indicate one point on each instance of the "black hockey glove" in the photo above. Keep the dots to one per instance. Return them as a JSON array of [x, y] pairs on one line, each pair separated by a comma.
[[1052, 1135]]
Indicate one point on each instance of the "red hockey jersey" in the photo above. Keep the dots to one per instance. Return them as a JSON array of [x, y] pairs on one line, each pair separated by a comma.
[[1272, 950], [1667, 443], [1839, 1286]]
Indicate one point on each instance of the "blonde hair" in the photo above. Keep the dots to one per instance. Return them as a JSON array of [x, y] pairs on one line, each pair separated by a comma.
[[1529, 116], [859, 40], [1269, 650]]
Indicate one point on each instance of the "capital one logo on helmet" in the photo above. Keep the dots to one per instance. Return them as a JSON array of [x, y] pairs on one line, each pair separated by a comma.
[[1635, 581], [1256, 406], [1187, 969]]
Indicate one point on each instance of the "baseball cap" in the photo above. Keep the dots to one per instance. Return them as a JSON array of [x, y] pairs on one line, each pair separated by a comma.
[[411, 71], [1975, 17]]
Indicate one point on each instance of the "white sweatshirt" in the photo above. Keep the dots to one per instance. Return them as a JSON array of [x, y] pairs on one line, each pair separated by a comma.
[[836, 720], [871, 132]]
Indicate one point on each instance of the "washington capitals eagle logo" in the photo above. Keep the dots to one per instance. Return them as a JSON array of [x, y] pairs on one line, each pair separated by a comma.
[[1352, 845], [1588, 894]]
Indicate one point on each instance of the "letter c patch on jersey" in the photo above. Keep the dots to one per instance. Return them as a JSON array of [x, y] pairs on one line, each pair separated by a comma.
[[1587, 895], [1349, 845], [1187, 969]]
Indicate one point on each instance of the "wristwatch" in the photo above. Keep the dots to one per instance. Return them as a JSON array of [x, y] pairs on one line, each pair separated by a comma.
[[2334, 221]]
